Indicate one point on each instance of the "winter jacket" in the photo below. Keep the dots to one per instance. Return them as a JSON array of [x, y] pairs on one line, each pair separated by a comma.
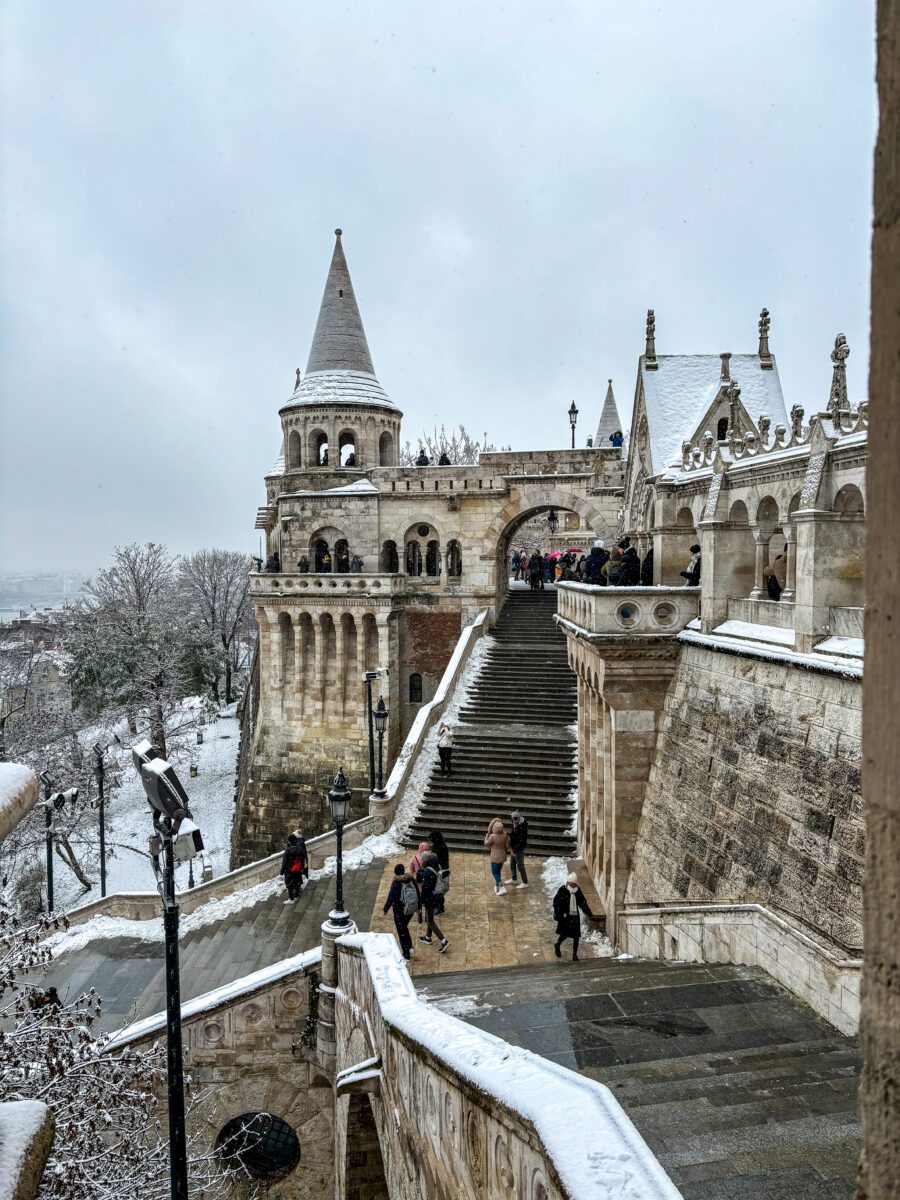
[[395, 894], [779, 569], [441, 851], [647, 570], [445, 738], [612, 569], [630, 568], [561, 905], [427, 879], [692, 574], [293, 855], [498, 844], [594, 565], [518, 836]]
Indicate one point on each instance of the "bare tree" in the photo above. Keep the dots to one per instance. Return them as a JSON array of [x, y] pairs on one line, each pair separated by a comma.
[[459, 448], [217, 584]]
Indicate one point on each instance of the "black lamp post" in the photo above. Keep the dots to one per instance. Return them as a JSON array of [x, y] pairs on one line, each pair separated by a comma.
[[99, 775], [573, 417], [339, 799], [369, 677], [381, 720], [48, 819], [552, 520]]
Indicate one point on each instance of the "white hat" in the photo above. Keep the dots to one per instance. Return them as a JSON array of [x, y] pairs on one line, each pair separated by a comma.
[[573, 878], [600, 543]]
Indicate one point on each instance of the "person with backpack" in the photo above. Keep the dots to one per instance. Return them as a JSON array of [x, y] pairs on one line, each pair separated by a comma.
[[612, 567], [518, 840], [293, 867], [427, 881], [441, 851], [404, 901]]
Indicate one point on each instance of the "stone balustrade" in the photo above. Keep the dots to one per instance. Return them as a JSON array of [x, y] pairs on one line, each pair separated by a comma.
[[310, 584], [627, 612]]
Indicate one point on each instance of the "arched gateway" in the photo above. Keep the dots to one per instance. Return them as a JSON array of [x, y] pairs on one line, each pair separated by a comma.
[[415, 554]]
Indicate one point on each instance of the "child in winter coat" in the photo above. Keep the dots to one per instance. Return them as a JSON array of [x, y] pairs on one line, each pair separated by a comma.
[[566, 905]]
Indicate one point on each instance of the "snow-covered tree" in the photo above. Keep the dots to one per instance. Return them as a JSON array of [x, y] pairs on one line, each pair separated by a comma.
[[217, 585], [109, 1141], [458, 447]]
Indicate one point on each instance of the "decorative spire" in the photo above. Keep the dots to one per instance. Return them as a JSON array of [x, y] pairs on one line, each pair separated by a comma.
[[339, 343], [726, 373], [610, 422], [734, 395], [650, 349], [837, 401], [765, 355]]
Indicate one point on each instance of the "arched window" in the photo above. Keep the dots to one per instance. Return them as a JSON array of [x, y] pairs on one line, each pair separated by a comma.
[[415, 688], [341, 556], [413, 558], [389, 560], [318, 448], [386, 450], [721, 429], [347, 448], [293, 454], [849, 501], [454, 560], [433, 558], [322, 556]]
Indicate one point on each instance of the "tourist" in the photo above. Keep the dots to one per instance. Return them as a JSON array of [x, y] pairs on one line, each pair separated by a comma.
[[536, 572], [647, 569], [579, 569], [518, 840], [427, 879], [441, 851], [629, 568], [444, 460], [616, 439], [445, 747], [497, 841], [516, 565], [596, 560], [303, 565], [692, 574], [422, 460], [548, 568], [775, 575], [273, 563], [404, 900], [293, 867], [418, 860], [566, 903], [612, 567]]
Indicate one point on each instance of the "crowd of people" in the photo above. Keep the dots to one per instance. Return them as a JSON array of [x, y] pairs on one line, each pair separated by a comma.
[[617, 567]]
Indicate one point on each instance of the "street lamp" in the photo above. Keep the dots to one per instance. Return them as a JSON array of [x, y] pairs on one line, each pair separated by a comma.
[[381, 720], [339, 799], [175, 836], [99, 775], [573, 417], [368, 679], [552, 520], [52, 803]]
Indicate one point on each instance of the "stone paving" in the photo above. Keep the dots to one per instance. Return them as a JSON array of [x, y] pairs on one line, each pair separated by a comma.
[[486, 930], [741, 1091]]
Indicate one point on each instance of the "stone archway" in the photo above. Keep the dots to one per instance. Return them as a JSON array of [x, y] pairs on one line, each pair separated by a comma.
[[364, 1168]]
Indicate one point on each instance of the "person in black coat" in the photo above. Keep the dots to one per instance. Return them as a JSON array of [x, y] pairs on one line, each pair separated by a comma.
[[692, 574], [398, 903], [566, 904], [518, 840], [427, 879], [647, 569], [629, 568], [441, 851], [294, 867]]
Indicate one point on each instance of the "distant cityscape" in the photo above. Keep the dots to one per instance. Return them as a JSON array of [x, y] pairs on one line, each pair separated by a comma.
[[21, 592]]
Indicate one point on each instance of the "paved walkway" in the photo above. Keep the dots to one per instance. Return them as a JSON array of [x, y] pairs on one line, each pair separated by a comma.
[[740, 1090], [486, 930]]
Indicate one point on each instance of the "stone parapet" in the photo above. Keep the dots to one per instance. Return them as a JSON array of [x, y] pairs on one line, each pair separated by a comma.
[[587, 611], [823, 975], [311, 587]]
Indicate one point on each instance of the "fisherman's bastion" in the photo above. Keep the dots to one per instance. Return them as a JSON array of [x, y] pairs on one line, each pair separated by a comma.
[[694, 755]]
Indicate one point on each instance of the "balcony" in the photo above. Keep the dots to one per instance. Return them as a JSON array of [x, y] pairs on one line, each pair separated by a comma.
[[320, 586], [626, 612]]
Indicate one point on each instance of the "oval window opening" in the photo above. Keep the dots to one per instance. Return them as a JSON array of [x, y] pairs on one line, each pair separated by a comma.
[[259, 1145]]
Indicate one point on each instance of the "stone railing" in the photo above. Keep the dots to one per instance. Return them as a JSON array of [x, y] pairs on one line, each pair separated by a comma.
[[382, 808], [27, 1130], [463, 1113], [826, 977], [626, 611], [310, 585]]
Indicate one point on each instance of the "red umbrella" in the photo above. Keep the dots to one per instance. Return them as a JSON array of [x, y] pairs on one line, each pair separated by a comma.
[[574, 550], [555, 554]]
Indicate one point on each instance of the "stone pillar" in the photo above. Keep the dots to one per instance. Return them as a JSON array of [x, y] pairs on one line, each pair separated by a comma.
[[790, 583], [389, 656], [299, 659], [760, 591], [326, 1041], [318, 708], [727, 570], [337, 682], [879, 1092], [276, 651]]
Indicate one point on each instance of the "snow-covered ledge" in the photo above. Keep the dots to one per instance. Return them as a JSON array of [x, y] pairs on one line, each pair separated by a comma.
[[18, 795], [754, 936], [382, 808], [459, 1105], [26, 1139]]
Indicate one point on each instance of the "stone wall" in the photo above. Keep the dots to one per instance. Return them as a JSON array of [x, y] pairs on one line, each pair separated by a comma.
[[754, 793], [427, 641]]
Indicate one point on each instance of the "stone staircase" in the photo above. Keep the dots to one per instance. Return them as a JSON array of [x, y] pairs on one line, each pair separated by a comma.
[[740, 1090], [514, 746]]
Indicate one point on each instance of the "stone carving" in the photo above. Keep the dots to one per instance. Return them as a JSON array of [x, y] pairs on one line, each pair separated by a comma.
[[650, 348], [837, 400], [764, 352], [712, 496], [810, 489], [213, 1032]]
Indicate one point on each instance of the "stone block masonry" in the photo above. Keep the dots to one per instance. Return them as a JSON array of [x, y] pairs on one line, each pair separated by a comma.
[[428, 637], [754, 793]]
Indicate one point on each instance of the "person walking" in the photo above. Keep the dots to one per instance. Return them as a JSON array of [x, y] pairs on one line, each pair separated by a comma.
[[516, 565], [404, 901], [427, 881], [518, 840], [293, 865], [692, 574], [566, 905], [441, 851], [536, 572], [445, 747], [497, 841], [418, 860]]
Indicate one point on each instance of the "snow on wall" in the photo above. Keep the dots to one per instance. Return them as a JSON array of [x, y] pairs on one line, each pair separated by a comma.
[[613, 1163], [18, 795], [21, 1122]]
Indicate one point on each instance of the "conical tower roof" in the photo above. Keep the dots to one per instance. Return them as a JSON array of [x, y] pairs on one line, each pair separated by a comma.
[[610, 421], [339, 369]]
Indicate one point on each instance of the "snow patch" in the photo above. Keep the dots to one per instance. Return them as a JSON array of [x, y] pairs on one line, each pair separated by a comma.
[[20, 1123], [18, 795], [459, 1006], [755, 632]]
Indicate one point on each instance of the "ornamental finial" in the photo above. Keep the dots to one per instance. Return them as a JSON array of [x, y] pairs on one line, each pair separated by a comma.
[[764, 353], [837, 401], [650, 348]]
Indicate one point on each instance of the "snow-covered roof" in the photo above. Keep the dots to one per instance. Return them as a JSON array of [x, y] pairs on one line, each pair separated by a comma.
[[339, 387], [18, 795], [681, 389], [610, 422], [363, 487]]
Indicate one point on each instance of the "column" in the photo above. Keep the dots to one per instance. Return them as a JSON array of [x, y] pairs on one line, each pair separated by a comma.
[[338, 672], [318, 708], [790, 583], [760, 592]]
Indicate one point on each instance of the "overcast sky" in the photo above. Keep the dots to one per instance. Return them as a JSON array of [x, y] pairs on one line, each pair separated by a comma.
[[517, 183]]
